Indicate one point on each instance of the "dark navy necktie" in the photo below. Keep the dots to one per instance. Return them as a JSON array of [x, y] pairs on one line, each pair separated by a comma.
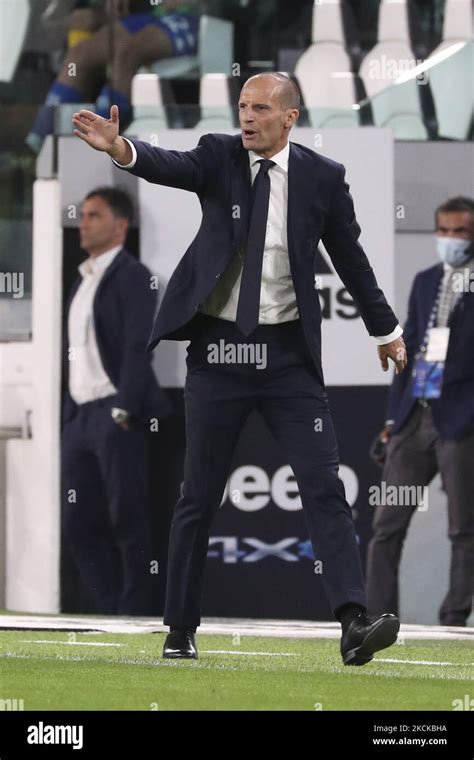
[[249, 294]]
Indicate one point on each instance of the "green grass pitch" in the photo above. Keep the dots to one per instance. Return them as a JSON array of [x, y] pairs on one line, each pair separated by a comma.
[[101, 671]]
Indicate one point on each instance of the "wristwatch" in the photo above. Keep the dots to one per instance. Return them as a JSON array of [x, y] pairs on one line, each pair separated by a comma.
[[119, 415]]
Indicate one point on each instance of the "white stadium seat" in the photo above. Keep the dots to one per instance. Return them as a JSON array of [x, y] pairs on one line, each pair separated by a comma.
[[14, 17], [215, 52], [324, 72], [393, 21], [457, 24], [451, 75], [393, 105], [149, 113], [214, 99], [327, 23]]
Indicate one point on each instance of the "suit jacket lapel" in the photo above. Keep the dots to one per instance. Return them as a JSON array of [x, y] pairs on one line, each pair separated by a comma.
[[116, 262], [119, 258], [305, 220], [296, 206]]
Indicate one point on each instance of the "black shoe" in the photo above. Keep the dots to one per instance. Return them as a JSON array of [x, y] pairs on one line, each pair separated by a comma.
[[366, 635], [180, 643]]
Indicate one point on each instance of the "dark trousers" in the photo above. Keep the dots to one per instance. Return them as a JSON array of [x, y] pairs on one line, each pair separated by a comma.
[[104, 472], [290, 396], [414, 456]]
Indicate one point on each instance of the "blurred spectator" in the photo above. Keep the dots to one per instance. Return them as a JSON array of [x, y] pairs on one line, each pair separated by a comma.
[[141, 34], [430, 425], [111, 402]]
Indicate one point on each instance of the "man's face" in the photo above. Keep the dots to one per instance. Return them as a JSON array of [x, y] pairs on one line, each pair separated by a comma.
[[263, 120], [99, 228], [456, 224]]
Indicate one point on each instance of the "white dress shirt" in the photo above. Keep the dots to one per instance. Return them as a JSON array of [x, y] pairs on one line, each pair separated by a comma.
[[277, 294], [88, 379]]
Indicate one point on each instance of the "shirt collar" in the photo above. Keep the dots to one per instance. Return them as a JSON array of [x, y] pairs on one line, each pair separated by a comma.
[[281, 159], [94, 265]]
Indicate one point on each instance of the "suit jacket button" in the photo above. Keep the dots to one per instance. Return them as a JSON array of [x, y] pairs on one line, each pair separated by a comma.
[[218, 275]]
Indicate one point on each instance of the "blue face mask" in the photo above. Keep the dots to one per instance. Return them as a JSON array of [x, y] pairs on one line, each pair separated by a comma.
[[453, 251]]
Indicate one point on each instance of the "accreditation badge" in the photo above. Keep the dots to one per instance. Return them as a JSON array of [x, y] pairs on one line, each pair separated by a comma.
[[428, 379], [437, 347]]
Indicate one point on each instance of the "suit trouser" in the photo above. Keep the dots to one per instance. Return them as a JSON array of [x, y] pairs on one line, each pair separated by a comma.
[[104, 472], [414, 456], [291, 398]]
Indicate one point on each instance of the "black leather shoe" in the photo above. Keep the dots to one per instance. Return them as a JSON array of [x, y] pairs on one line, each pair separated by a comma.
[[366, 635], [180, 644]]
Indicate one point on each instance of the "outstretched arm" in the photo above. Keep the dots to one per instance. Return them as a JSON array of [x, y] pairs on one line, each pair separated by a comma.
[[182, 169]]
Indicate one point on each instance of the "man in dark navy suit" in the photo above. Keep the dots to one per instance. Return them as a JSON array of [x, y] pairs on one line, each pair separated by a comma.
[[111, 401], [430, 420], [245, 288]]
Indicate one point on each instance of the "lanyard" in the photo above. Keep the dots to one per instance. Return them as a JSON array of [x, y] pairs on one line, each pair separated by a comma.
[[432, 319]]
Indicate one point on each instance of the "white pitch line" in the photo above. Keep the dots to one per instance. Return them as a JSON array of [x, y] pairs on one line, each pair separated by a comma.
[[194, 664], [233, 651], [207, 651], [261, 654], [419, 662], [73, 643]]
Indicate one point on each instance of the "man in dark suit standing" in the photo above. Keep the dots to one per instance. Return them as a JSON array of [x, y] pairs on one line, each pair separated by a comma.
[[246, 285], [111, 402], [430, 419]]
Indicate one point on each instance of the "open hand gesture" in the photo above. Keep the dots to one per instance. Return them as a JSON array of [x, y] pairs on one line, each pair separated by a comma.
[[99, 133]]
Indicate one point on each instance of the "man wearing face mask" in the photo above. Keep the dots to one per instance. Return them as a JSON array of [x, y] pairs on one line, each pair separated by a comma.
[[430, 419]]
